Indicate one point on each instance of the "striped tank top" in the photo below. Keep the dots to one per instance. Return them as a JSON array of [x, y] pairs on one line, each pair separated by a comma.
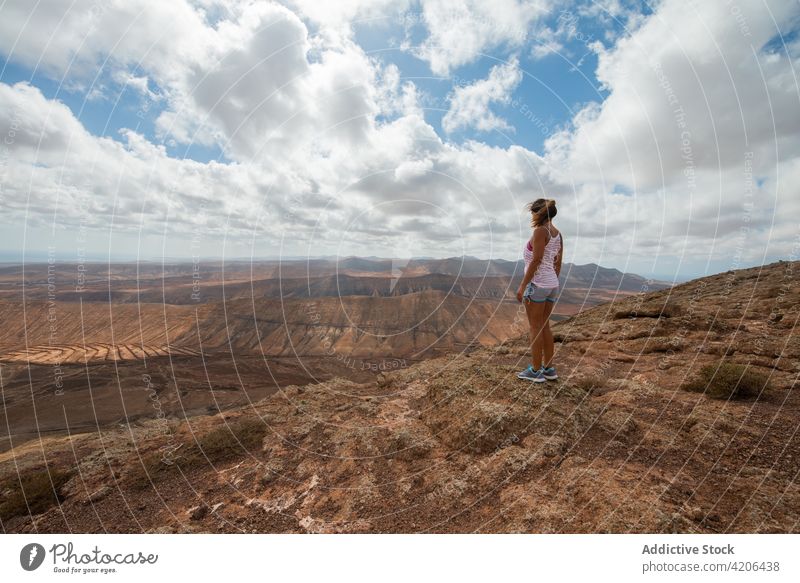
[[545, 276]]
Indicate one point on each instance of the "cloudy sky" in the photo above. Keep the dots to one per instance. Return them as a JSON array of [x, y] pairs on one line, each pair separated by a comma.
[[668, 132]]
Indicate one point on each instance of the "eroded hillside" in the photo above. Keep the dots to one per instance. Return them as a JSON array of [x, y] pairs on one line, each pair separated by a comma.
[[459, 444]]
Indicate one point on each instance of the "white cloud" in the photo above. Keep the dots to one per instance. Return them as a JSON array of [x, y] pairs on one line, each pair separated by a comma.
[[545, 42], [462, 30], [139, 84], [346, 13], [75, 38], [57, 171], [317, 132], [693, 69], [698, 114], [469, 105]]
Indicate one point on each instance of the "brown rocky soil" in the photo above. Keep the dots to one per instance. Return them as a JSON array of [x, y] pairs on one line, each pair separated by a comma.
[[459, 444]]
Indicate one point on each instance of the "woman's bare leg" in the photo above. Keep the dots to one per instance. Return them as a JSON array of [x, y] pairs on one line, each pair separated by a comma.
[[535, 311], [548, 346]]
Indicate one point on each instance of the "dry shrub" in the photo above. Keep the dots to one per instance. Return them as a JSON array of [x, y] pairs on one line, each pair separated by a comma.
[[728, 381], [589, 384], [231, 441], [31, 492]]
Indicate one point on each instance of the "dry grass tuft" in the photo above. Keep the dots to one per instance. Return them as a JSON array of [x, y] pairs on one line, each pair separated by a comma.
[[728, 381], [32, 492], [232, 441]]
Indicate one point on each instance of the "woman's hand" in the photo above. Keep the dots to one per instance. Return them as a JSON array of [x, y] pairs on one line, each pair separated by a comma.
[[520, 291]]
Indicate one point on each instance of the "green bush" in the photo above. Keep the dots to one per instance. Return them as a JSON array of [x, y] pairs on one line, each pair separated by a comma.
[[728, 381], [31, 492]]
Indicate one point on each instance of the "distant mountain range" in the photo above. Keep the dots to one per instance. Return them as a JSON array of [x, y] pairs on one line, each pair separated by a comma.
[[354, 306]]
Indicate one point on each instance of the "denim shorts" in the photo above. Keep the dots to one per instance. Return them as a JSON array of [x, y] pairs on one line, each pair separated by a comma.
[[540, 294]]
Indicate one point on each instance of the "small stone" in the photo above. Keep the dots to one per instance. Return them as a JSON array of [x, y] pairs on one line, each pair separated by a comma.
[[98, 494], [552, 448], [268, 477], [162, 530], [197, 512]]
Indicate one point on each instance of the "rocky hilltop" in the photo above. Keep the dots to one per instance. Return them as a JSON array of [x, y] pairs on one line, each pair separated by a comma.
[[676, 411]]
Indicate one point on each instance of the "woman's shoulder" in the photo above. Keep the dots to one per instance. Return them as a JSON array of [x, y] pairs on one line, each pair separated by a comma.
[[550, 231]]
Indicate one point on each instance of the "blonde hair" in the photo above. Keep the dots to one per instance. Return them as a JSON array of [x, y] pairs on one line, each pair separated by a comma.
[[542, 210]]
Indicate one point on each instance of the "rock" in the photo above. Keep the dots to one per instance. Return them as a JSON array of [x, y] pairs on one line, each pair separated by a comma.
[[163, 530], [662, 344], [709, 348], [618, 422], [272, 472], [696, 514], [554, 447], [382, 380], [410, 445], [197, 512], [98, 494]]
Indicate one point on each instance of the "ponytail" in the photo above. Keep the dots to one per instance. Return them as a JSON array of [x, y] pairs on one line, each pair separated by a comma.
[[542, 210]]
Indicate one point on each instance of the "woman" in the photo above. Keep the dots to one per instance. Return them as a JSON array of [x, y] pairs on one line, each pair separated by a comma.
[[539, 288]]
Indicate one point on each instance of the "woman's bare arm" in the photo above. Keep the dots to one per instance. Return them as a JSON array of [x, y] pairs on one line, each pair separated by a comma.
[[557, 260]]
